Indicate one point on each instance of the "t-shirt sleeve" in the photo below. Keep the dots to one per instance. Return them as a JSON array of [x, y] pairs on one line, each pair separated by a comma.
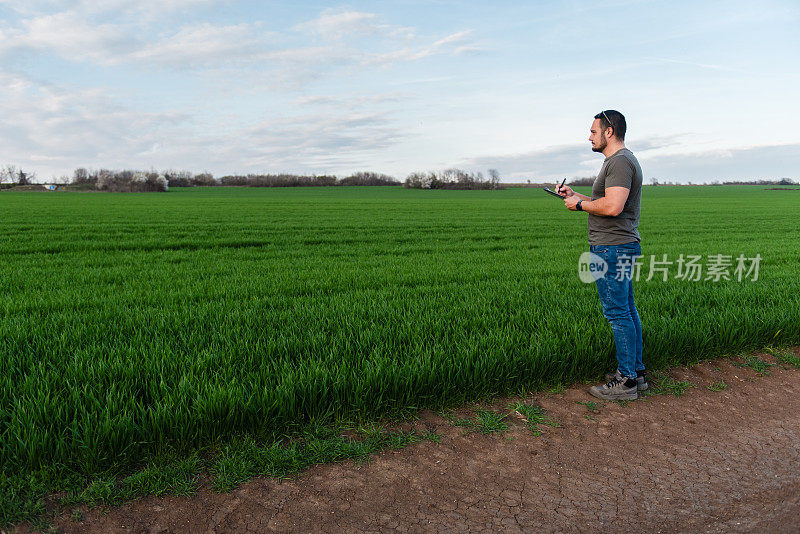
[[619, 173]]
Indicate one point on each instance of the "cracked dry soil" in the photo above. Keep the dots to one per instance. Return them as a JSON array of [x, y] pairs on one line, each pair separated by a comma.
[[710, 461]]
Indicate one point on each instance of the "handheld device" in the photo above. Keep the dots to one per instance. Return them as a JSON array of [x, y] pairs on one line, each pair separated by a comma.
[[550, 191]]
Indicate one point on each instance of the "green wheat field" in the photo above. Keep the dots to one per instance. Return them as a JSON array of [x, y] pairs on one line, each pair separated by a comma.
[[140, 326]]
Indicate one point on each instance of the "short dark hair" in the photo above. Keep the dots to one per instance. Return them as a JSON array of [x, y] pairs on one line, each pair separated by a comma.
[[614, 119]]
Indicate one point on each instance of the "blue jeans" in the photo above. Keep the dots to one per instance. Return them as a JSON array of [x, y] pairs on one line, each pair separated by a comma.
[[616, 295]]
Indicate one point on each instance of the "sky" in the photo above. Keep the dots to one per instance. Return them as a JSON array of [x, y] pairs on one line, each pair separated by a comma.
[[709, 89]]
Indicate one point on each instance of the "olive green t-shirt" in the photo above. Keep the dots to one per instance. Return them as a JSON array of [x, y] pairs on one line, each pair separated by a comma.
[[619, 169]]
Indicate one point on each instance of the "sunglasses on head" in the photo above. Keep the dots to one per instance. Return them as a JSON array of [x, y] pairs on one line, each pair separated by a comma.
[[607, 120]]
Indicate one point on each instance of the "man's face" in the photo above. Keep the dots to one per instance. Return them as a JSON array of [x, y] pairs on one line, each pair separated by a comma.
[[597, 137]]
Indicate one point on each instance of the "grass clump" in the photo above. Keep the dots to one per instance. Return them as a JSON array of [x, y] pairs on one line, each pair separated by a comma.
[[490, 422], [718, 386], [433, 437], [789, 359], [661, 383], [534, 416], [462, 422], [784, 357], [485, 422], [757, 364], [557, 389]]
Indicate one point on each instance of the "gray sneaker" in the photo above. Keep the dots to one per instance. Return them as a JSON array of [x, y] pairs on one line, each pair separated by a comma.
[[616, 389], [641, 379]]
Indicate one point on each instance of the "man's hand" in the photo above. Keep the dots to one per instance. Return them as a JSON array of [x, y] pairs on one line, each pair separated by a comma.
[[571, 201], [564, 190]]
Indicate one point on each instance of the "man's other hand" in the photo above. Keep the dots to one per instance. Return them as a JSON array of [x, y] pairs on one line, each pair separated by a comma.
[[571, 201]]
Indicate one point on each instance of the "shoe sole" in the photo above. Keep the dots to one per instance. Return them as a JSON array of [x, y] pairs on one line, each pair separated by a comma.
[[624, 396]]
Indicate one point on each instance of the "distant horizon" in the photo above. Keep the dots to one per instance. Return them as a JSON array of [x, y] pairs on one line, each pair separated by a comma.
[[768, 181]]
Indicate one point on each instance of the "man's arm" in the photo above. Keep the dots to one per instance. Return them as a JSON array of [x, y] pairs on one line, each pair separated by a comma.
[[582, 197], [610, 205], [618, 182], [567, 191]]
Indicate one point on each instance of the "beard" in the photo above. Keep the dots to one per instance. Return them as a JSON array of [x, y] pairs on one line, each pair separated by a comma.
[[599, 147]]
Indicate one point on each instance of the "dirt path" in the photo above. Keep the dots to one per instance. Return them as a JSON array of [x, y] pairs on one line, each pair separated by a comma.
[[710, 461]]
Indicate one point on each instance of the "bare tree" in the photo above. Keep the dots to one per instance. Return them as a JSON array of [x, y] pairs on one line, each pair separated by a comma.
[[82, 176], [451, 179], [494, 178], [204, 179], [368, 178], [8, 173]]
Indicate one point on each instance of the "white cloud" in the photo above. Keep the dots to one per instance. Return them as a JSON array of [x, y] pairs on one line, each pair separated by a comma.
[[44, 122], [455, 38], [542, 164], [312, 143], [308, 55], [151, 8], [53, 130], [452, 44], [69, 36], [334, 24], [203, 44], [76, 39], [59, 124], [76, 35], [316, 100], [324, 142], [140, 8], [353, 100], [735, 163]]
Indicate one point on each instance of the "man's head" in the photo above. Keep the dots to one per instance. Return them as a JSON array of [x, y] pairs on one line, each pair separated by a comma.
[[608, 126]]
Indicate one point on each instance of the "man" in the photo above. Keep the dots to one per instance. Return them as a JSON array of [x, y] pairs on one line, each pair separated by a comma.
[[613, 236]]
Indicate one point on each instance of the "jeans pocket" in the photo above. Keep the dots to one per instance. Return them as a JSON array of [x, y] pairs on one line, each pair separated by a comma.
[[629, 247], [629, 250]]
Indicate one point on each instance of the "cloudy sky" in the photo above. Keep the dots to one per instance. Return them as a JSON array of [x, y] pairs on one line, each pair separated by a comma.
[[709, 88]]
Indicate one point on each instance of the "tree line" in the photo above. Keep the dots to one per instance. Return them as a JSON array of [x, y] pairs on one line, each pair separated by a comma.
[[453, 179], [139, 181]]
